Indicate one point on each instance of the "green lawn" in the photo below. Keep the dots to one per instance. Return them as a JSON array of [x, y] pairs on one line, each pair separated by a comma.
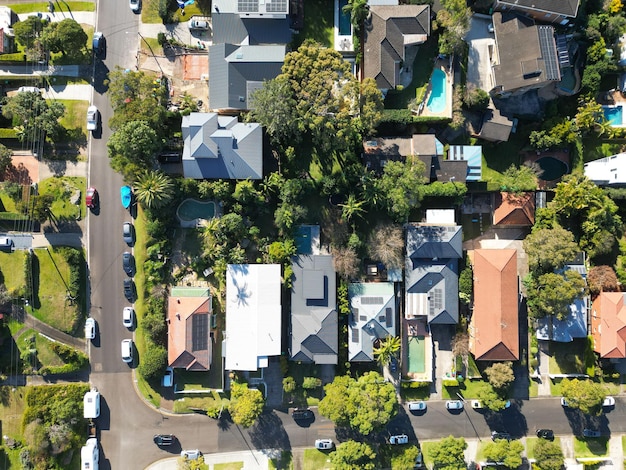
[[567, 358], [62, 188], [75, 120], [285, 461], [12, 405], [591, 447], [533, 389], [150, 12], [319, 23], [468, 390], [65, 6], [12, 269], [316, 460], [228, 466]]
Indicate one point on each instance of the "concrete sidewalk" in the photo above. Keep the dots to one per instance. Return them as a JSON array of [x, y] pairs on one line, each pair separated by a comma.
[[68, 92], [83, 17], [251, 460]]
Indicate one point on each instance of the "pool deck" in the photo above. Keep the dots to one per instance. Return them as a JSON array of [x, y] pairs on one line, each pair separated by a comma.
[[561, 155], [446, 67], [411, 328]]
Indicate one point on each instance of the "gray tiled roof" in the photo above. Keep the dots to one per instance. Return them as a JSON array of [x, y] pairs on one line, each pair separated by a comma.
[[428, 242], [230, 28], [314, 310], [219, 147], [236, 71], [389, 30], [562, 7]]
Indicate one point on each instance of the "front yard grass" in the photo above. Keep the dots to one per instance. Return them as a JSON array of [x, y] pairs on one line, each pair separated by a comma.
[[285, 461], [12, 405], [468, 390], [316, 460], [45, 356], [567, 358], [68, 6], [591, 447], [12, 269], [74, 121], [62, 188], [319, 24], [533, 389], [426, 448]]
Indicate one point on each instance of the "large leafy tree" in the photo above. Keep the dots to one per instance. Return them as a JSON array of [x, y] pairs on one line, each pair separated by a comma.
[[136, 96], [246, 404], [454, 18], [500, 374], [34, 115], [6, 161], [548, 455], [549, 249], [66, 37], [133, 148], [519, 179], [551, 293], [154, 189], [507, 452], [400, 186], [365, 405], [448, 454], [387, 348], [489, 398], [28, 31], [353, 455], [359, 11], [386, 245], [584, 395], [273, 106]]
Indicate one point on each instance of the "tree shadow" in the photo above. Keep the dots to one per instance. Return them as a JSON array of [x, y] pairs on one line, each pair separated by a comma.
[[224, 422], [35, 274], [511, 420], [269, 433]]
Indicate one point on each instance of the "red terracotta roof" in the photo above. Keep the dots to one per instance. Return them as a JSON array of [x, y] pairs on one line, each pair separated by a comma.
[[514, 209], [494, 329], [608, 325], [181, 351]]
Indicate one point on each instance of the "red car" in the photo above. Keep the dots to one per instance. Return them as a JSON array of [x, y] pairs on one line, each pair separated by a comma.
[[91, 198]]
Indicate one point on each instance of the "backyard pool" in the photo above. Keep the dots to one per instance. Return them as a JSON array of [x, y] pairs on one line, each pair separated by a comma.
[[345, 27], [437, 99], [613, 114], [553, 168], [190, 210], [417, 355]]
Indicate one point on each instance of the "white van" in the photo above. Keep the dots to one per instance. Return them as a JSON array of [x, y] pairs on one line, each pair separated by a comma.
[[90, 455], [91, 404], [6, 243]]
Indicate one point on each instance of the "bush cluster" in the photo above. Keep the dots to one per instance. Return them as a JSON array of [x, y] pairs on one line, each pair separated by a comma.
[[28, 274]]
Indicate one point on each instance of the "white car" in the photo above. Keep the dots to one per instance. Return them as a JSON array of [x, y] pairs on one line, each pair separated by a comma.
[[399, 439], [128, 317], [324, 444], [191, 454], [608, 401], [28, 89], [476, 404], [127, 350], [135, 5], [563, 402], [168, 377], [416, 405], [454, 405], [90, 328], [93, 118]]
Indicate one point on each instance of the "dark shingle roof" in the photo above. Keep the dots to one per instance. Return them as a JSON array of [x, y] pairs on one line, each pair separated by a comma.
[[561, 7], [230, 28]]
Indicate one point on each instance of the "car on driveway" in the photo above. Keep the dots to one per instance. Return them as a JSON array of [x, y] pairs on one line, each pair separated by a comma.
[[93, 118], [416, 405], [128, 317], [164, 439], [90, 328], [454, 405], [191, 454], [399, 439], [168, 377], [500, 435], [92, 198], [545, 434], [135, 5], [128, 263], [587, 432], [128, 233], [324, 444], [129, 289], [608, 401], [198, 23], [302, 414]]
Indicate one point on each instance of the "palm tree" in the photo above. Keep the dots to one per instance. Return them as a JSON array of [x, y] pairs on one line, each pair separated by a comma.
[[387, 348], [154, 189], [359, 11], [352, 207]]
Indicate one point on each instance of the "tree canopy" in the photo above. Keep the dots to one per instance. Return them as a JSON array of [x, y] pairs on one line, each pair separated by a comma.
[[552, 293], [583, 395], [500, 374], [246, 404], [34, 115], [154, 189], [400, 187], [550, 249], [67, 37], [548, 455], [365, 405], [386, 244], [448, 454], [507, 452], [132, 149], [490, 398], [519, 179], [353, 455], [602, 279], [387, 349], [454, 18], [28, 31]]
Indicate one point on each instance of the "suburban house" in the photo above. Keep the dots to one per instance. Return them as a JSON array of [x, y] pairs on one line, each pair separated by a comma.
[[220, 147], [389, 31], [431, 273], [253, 316], [516, 69], [473, 155], [546, 11], [607, 171], [514, 209], [573, 326], [372, 317], [7, 37], [495, 127], [494, 328], [314, 322], [249, 22], [189, 336], [608, 325], [237, 71], [425, 147]]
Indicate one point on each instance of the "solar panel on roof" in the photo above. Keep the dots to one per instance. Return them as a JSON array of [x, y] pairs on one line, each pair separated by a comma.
[[247, 6], [371, 300], [276, 6], [199, 332], [549, 53]]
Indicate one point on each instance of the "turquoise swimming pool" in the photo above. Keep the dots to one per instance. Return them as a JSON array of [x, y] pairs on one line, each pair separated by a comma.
[[613, 114], [437, 99]]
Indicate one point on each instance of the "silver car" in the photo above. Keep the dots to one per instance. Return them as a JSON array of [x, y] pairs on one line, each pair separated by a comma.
[[128, 233], [324, 444], [454, 405], [93, 118]]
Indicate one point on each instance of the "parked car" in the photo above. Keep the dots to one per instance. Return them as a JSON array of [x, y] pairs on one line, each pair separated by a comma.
[[129, 289], [127, 350], [28, 89], [164, 439], [191, 454], [128, 263], [454, 405], [128, 233], [416, 405], [135, 5], [98, 44], [399, 439], [608, 401], [93, 118], [92, 199], [591, 432], [90, 328], [324, 444], [6, 243], [500, 435], [545, 434], [168, 377], [563, 402], [301, 414], [198, 23], [476, 404], [128, 317]]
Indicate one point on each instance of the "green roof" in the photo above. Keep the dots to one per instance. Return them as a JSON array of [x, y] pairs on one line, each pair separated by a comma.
[[190, 292]]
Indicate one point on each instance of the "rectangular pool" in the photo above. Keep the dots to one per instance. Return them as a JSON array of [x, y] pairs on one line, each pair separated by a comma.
[[613, 114], [345, 26]]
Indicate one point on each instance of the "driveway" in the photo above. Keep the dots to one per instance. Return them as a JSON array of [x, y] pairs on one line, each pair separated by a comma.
[[482, 45]]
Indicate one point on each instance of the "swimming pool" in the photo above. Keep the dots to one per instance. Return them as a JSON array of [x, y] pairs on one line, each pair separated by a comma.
[[417, 354], [345, 26], [613, 114], [553, 168], [191, 210], [437, 99]]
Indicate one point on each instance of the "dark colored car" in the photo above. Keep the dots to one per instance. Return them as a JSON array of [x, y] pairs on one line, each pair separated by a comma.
[[129, 289], [545, 434], [128, 263], [591, 432], [500, 435], [393, 364], [98, 44], [300, 414], [164, 439]]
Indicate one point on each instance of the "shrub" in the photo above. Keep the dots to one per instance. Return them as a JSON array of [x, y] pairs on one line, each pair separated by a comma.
[[69, 355], [153, 323], [450, 383], [162, 39], [534, 350], [153, 361], [289, 384], [534, 362], [309, 383], [28, 274], [342, 298], [8, 133]]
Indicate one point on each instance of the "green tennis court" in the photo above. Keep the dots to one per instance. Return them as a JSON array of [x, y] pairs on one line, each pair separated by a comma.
[[417, 355]]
